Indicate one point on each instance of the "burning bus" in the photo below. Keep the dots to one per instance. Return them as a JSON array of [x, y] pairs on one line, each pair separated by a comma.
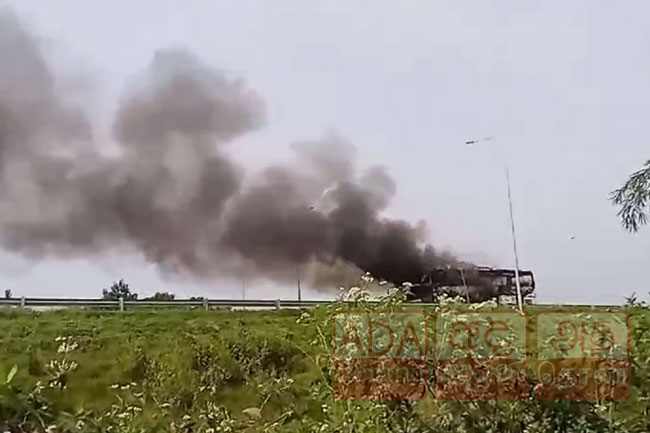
[[476, 284]]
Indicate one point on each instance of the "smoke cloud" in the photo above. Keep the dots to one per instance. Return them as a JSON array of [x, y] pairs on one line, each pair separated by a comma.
[[172, 194]]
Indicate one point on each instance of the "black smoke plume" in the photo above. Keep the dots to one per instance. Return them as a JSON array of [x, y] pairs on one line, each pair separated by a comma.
[[172, 194]]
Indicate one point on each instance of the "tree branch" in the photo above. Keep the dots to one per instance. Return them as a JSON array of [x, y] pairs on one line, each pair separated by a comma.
[[634, 199]]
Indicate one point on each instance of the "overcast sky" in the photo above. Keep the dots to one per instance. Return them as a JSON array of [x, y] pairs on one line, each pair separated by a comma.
[[564, 86]]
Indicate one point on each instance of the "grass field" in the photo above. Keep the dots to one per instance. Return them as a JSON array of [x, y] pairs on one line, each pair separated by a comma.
[[209, 371]]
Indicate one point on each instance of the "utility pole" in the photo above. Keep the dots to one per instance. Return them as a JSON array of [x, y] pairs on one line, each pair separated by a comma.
[[298, 281], [462, 276], [514, 244], [512, 224]]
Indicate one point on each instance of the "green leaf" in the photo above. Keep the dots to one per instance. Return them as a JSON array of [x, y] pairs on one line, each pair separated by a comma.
[[12, 373]]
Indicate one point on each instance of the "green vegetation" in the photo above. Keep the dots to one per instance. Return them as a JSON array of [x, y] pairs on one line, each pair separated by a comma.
[[119, 290], [633, 199], [161, 296], [174, 370]]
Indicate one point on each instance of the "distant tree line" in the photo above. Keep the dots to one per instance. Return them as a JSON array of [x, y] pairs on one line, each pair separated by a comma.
[[121, 289], [162, 296]]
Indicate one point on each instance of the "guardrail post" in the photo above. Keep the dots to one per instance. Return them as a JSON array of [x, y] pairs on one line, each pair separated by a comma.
[[22, 302], [277, 304], [121, 303], [205, 304]]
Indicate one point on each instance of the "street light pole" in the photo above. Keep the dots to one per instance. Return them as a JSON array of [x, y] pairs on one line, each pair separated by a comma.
[[243, 289], [298, 281], [512, 225], [514, 243]]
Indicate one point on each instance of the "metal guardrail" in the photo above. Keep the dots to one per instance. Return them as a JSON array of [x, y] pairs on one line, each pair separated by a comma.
[[122, 304], [209, 303]]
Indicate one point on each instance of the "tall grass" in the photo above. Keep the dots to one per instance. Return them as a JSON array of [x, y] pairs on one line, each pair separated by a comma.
[[246, 371]]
